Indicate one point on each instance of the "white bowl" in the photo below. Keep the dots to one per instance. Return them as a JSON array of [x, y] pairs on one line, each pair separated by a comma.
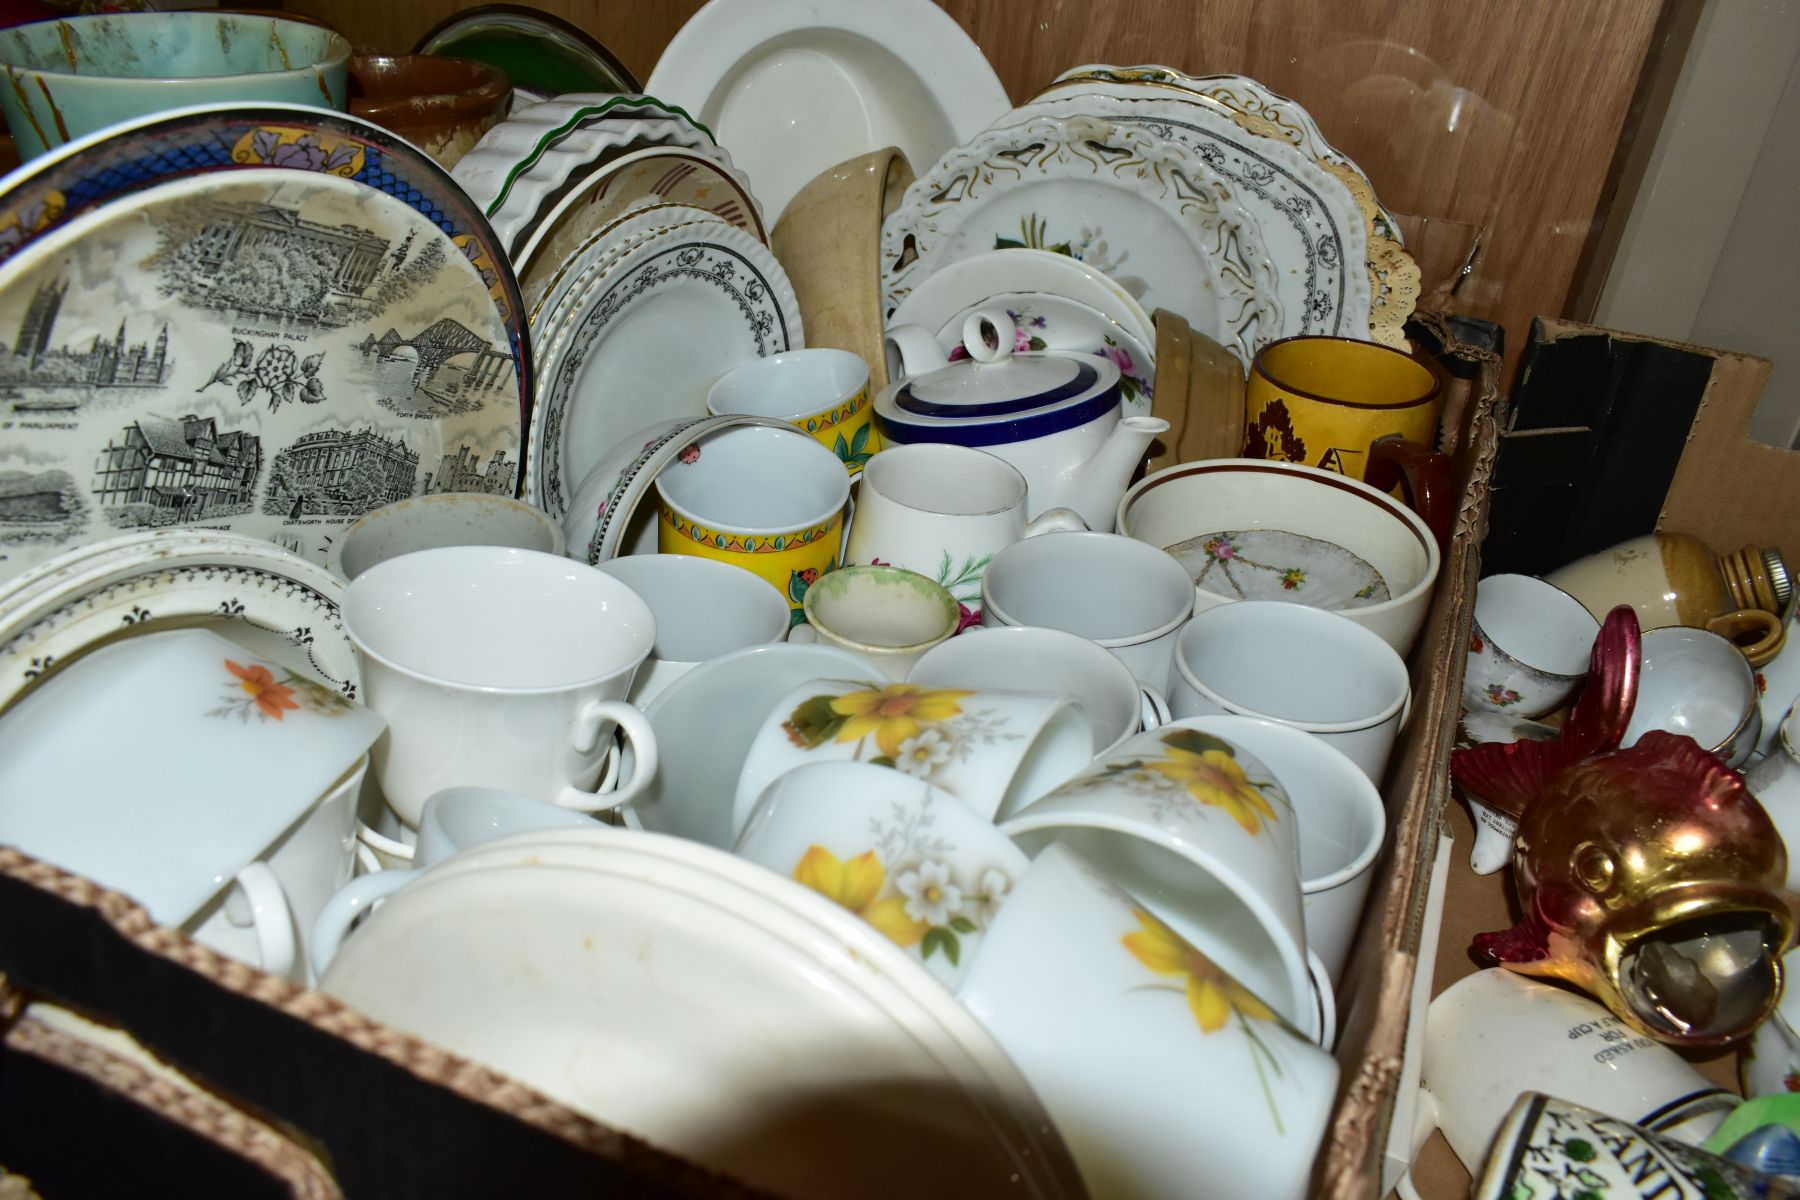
[[1181, 504]]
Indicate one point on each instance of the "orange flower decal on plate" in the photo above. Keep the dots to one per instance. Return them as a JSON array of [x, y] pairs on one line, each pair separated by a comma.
[[857, 886], [254, 691], [258, 682]]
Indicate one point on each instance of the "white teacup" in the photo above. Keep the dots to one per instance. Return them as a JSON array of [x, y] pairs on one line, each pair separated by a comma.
[[1304, 667], [944, 511], [887, 616], [499, 668], [910, 859], [1775, 781], [1341, 822], [1697, 683], [1113, 590], [1529, 648], [1047, 661], [443, 519], [1778, 684], [1166, 1075], [454, 820], [703, 608], [994, 751], [1495, 1034], [1202, 833], [719, 706]]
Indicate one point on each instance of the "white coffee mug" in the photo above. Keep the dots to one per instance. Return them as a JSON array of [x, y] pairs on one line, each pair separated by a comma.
[[1202, 833], [703, 608], [1340, 819], [910, 859], [1116, 591], [994, 751], [1305, 667], [499, 668], [454, 820], [1165, 1073], [944, 511], [1047, 661], [1495, 1034]]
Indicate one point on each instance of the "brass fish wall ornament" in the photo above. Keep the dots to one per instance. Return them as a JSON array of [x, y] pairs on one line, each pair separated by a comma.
[[1649, 876]]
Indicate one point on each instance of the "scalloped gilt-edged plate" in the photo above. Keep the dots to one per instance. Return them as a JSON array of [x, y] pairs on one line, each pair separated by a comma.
[[1147, 212], [278, 606], [642, 337], [796, 87]]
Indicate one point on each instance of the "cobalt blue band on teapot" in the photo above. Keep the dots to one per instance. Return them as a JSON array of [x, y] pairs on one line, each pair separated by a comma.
[[994, 433], [1085, 376]]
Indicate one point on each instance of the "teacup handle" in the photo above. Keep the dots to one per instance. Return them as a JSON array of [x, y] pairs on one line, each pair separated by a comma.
[[1326, 997], [586, 735], [374, 841], [1423, 473], [1056, 520], [1768, 630], [257, 899], [350, 902], [1153, 710]]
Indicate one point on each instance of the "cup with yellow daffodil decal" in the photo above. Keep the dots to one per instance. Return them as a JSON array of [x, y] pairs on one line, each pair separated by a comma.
[[1166, 1074], [920, 866], [993, 751], [1204, 833]]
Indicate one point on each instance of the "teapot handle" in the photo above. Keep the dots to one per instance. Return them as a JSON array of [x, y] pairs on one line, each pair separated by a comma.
[[989, 335]]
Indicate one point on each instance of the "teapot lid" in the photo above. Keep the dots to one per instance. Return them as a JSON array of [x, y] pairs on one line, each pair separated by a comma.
[[1000, 394]]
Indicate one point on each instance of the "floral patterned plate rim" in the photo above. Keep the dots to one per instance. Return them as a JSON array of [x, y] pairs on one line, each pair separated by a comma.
[[692, 302], [279, 605], [1312, 225], [265, 351], [1147, 211], [92, 171], [738, 909], [165, 701], [1274, 564]]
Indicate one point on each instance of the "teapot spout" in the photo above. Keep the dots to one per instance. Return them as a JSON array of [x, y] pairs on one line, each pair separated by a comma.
[[1102, 479]]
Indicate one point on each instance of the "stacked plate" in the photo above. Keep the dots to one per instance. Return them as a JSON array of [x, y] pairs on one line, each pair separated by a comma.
[[1212, 198], [711, 1007]]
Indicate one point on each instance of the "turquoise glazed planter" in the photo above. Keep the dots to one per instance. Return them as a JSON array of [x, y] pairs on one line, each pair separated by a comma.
[[70, 77]]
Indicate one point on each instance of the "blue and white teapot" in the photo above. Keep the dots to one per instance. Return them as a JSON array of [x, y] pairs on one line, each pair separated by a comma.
[[1055, 415]]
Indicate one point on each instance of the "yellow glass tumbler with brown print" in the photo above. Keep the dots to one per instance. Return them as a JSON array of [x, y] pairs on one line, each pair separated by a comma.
[[822, 391], [767, 499], [1321, 401]]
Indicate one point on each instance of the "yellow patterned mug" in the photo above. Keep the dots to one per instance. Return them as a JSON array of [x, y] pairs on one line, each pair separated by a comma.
[[824, 392], [1321, 401], [767, 499]]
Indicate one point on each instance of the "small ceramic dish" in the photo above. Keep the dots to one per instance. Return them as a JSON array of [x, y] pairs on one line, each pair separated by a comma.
[[440, 105], [1338, 538], [1696, 683]]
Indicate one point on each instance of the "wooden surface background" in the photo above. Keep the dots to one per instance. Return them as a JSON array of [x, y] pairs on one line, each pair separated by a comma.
[[1505, 116]]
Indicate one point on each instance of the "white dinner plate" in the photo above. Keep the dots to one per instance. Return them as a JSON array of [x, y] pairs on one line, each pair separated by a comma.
[[709, 1006], [795, 87], [643, 339]]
